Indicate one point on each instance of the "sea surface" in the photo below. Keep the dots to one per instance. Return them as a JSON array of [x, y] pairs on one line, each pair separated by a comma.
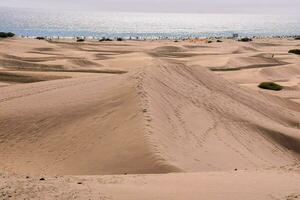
[[33, 22]]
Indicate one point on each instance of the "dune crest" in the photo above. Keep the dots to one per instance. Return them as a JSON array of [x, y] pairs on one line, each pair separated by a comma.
[[145, 122]]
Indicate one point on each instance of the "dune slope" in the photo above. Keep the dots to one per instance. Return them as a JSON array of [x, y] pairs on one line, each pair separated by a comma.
[[198, 121], [166, 117]]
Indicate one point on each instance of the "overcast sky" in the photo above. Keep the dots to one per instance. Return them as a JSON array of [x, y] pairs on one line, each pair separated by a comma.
[[193, 6]]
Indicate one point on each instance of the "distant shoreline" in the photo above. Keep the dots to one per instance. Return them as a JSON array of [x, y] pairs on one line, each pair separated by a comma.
[[146, 25], [91, 38]]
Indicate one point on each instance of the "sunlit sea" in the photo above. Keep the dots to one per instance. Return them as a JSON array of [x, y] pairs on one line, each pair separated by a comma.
[[32, 22]]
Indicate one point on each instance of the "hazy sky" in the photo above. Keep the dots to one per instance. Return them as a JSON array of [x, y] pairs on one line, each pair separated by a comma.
[[198, 6]]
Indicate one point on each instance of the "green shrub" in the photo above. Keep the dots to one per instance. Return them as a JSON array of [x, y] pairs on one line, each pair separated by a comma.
[[245, 39], [40, 38], [6, 35], [105, 39], [270, 86], [295, 51]]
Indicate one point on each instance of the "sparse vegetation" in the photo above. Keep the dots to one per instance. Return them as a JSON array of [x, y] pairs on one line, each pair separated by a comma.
[[295, 51], [209, 41], [245, 39], [40, 38], [270, 86], [6, 35], [297, 38], [119, 39], [105, 39], [80, 40], [219, 41]]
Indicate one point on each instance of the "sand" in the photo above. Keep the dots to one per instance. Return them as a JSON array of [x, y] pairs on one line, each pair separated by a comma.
[[149, 120]]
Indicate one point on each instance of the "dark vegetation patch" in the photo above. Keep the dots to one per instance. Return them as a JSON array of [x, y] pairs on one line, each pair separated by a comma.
[[270, 86], [40, 38], [295, 51], [105, 40], [245, 39], [6, 35]]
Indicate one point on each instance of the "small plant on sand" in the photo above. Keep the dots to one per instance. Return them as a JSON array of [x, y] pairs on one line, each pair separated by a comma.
[[80, 40], [119, 39], [40, 38], [245, 39], [295, 51], [270, 86], [105, 39], [6, 35]]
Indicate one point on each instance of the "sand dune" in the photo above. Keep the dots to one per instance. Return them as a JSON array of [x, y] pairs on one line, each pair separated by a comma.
[[167, 114], [197, 92]]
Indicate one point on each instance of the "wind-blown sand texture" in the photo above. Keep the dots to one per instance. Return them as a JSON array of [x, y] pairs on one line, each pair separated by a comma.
[[187, 117]]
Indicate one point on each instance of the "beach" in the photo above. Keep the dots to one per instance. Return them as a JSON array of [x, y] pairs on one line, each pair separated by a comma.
[[152, 119]]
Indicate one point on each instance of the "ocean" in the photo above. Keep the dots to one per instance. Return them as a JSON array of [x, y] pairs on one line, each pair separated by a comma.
[[33, 22]]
